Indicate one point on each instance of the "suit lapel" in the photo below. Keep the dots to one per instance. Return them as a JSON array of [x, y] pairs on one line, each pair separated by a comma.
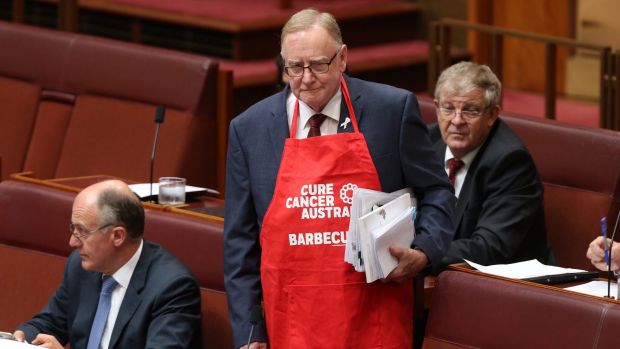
[[464, 195], [88, 302], [345, 125], [279, 128], [132, 299]]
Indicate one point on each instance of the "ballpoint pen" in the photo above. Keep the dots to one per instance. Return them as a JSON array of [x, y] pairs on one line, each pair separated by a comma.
[[604, 234]]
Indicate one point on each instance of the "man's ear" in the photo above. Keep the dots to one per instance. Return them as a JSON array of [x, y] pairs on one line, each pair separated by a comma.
[[493, 114], [119, 235], [342, 55]]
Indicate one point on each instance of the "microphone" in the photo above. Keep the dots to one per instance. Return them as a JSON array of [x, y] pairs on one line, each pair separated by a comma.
[[613, 235], [160, 112], [256, 316]]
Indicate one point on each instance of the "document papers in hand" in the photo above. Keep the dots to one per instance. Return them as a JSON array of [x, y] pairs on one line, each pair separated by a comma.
[[363, 202], [390, 224]]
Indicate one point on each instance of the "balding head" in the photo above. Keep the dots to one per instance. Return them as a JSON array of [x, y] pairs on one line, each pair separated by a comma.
[[116, 204], [107, 223]]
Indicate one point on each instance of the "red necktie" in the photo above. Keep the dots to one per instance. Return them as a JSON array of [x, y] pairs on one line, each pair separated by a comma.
[[454, 165], [315, 125]]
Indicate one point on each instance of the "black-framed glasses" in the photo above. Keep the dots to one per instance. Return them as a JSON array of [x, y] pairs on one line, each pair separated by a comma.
[[82, 234], [315, 68]]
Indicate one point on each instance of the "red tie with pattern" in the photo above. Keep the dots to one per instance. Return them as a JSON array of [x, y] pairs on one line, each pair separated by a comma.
[[315, 125], [454, 165]]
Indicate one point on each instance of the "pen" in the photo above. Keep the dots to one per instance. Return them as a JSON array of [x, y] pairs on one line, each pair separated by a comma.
[[604, 234]]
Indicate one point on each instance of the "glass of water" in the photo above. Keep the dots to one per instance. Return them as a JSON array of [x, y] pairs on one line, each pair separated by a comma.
[[171, 191]]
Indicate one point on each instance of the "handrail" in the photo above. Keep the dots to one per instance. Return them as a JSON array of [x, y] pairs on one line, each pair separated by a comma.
[[439, 55]]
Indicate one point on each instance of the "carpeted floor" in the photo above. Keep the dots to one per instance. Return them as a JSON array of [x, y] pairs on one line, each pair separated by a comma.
[[567, 110]]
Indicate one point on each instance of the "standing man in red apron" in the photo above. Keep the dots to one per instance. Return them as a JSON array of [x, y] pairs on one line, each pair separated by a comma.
[[293, 162]]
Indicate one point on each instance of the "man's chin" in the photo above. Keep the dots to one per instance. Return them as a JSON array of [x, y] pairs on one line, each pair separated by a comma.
[[86, 264]]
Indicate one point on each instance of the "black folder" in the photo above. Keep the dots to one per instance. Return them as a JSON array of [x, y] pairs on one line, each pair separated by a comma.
[[563, 278]]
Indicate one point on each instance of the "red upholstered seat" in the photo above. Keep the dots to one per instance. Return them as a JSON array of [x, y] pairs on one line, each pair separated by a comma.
[[478, 311], [580, 168], [18, 108], [82, 105]]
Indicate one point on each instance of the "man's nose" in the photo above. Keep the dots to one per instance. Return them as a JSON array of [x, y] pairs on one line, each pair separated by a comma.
[[307, 75], [458, 118], [74, 242]]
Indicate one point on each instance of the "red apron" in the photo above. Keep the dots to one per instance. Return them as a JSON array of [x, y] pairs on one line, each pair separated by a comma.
[[312, 297]]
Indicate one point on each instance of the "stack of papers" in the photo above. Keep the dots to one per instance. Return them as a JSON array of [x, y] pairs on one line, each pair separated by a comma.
[[143, 190], [378, 221], [534, 271], [596, 288]]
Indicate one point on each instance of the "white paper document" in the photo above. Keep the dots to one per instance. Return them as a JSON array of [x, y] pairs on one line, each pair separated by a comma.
[[363, 202], [595, 288], [390, 224], [143, 190], [11, 344], [523, 270]]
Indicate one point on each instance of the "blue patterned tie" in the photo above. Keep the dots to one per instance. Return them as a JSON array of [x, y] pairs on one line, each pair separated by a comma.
[[103, 309]]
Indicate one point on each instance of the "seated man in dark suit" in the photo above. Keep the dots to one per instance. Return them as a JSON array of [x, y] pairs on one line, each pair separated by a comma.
[[499, 215], [118, 290]]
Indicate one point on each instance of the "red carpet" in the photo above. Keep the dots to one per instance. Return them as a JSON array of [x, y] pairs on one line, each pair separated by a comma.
[[567, 110]]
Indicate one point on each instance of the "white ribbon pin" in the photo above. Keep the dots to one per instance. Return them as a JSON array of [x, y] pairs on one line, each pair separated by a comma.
[[345, 123]]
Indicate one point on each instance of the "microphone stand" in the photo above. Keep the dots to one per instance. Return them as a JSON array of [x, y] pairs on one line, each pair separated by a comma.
[[256, 316], [159, 119]]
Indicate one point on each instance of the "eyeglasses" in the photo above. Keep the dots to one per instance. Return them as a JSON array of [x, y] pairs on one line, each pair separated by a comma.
[[467, 114], [81, 234], [315, 68]]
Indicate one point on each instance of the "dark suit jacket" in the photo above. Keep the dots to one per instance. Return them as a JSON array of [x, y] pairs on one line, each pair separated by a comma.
[[402, 153], [500, 217], [161, 307]]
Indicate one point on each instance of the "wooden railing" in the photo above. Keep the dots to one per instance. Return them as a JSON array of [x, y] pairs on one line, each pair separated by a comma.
[[609, 102]]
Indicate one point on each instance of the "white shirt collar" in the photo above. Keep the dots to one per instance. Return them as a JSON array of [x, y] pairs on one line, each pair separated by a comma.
[[331, 109], [459, 179], [123, 274], [467, 159]]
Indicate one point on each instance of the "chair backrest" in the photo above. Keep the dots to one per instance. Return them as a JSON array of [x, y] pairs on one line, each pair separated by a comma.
[[29, 278], [196, 242], [580, 169], [85, 105], [479, 311], [35, 217]]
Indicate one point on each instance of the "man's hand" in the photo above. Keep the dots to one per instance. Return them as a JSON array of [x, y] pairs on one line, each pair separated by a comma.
[[596, 254], [19, 335], [410, 263], [255, 345], [46, 341]]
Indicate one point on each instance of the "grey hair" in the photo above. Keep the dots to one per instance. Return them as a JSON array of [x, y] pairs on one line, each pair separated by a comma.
[[464, 77], [121, 208], [309, 17]]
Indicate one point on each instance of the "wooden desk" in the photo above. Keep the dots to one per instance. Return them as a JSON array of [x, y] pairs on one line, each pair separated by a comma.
[[200, 206]]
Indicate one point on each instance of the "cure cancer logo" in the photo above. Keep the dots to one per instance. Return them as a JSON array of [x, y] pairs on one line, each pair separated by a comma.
[[346, 193]]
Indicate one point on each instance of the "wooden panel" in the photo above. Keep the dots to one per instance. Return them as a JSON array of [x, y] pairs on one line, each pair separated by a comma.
[[524, 60]]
